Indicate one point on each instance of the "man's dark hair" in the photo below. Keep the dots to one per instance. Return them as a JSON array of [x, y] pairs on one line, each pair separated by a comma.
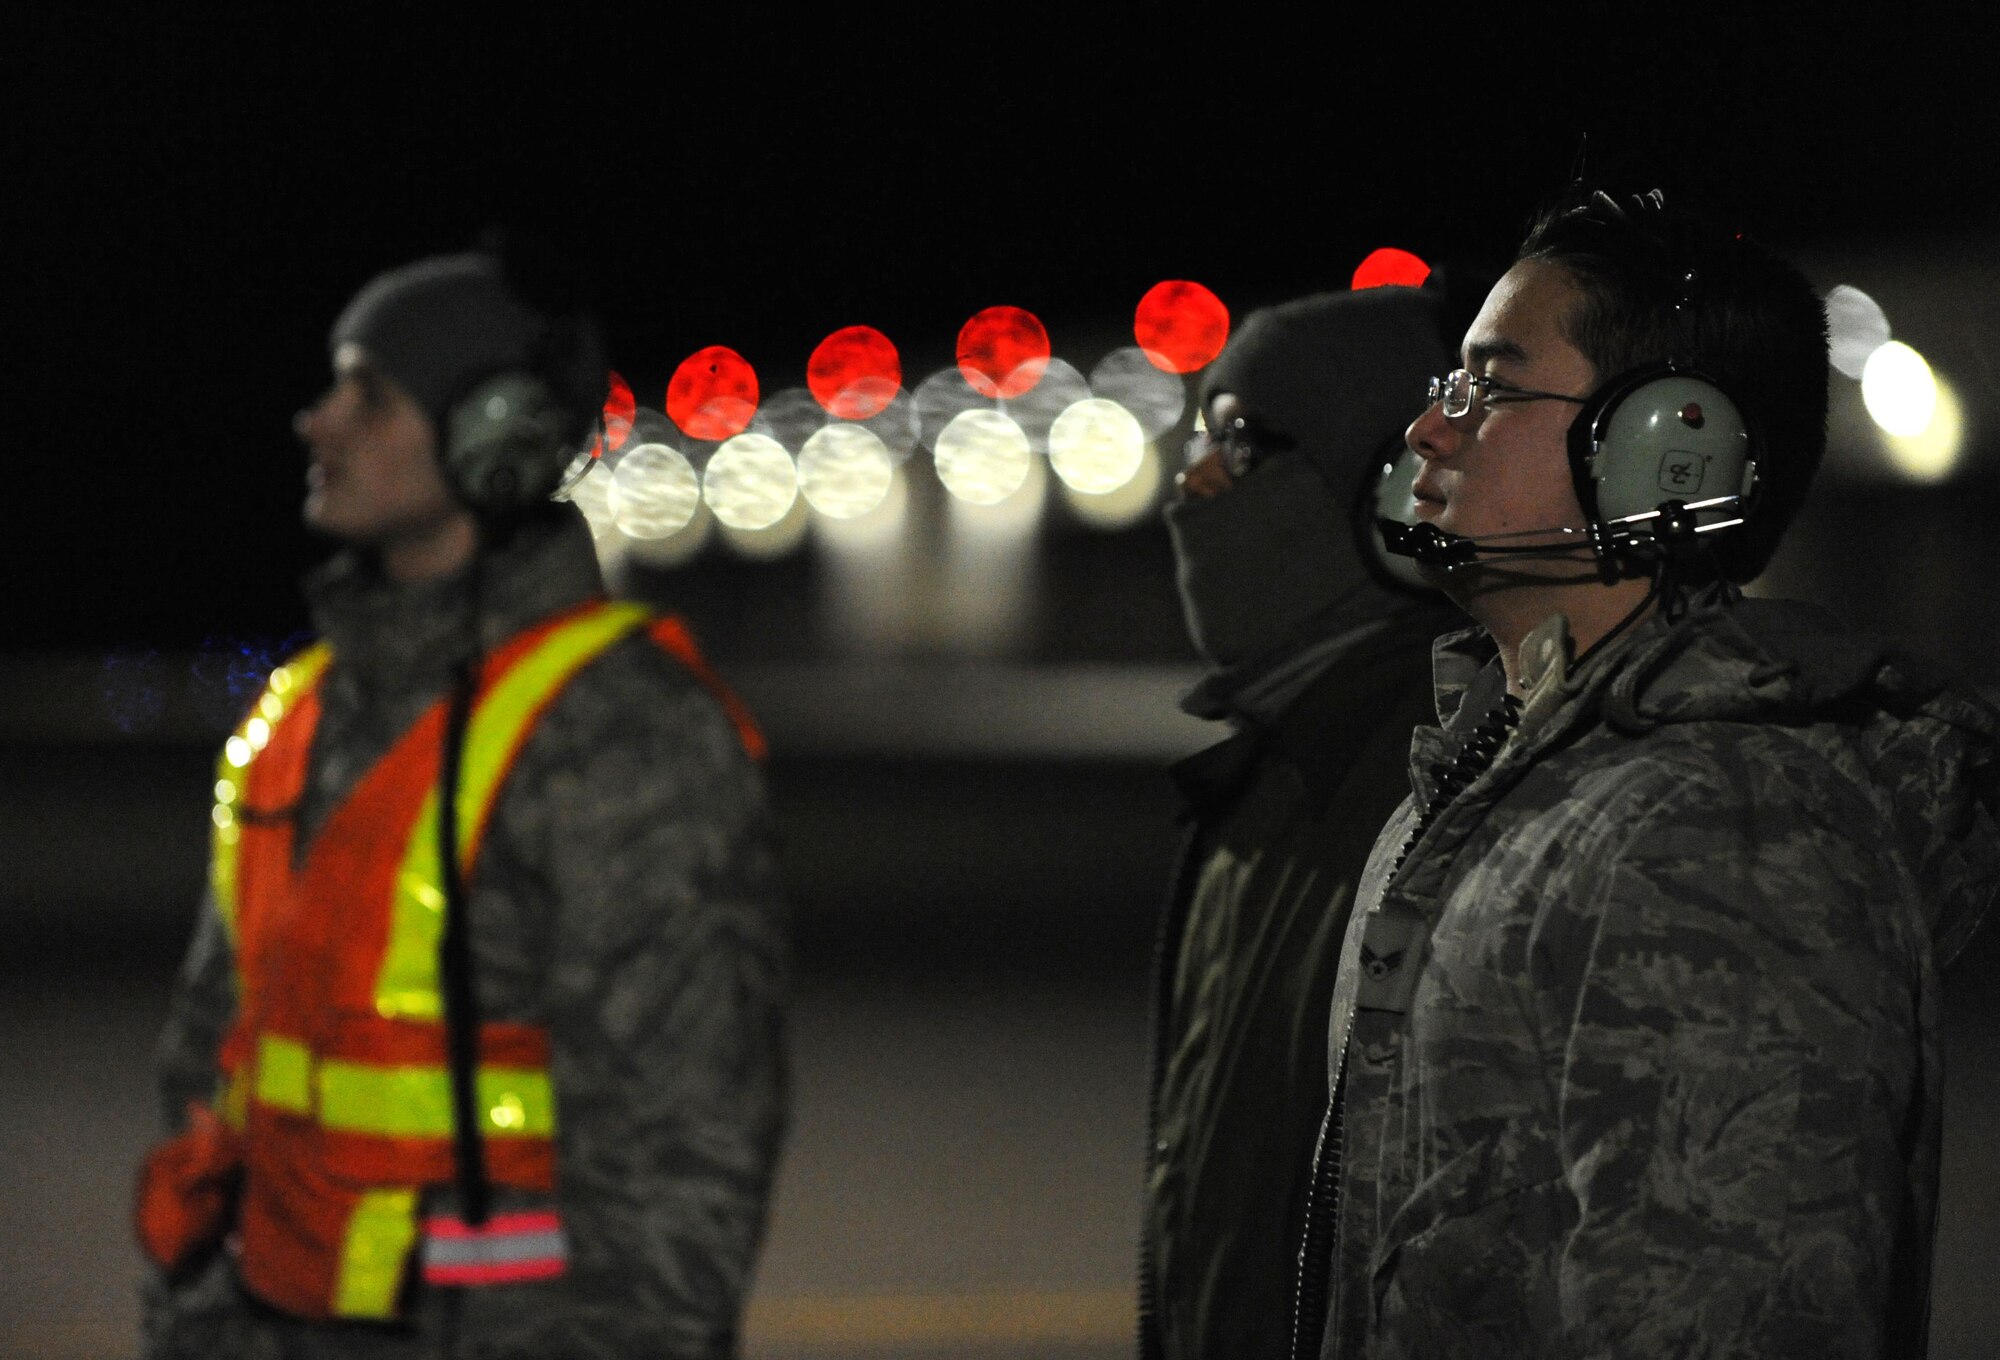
[[1662, 283]]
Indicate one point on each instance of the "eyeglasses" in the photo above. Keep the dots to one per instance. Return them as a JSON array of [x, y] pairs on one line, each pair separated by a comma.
[[1240, 445], [1457, 390]]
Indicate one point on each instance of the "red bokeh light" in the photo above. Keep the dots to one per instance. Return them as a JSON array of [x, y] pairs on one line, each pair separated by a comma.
[[854, 372], [620, 410], [1181, 326], [1390, 265], [1003, 351], [713, 394]]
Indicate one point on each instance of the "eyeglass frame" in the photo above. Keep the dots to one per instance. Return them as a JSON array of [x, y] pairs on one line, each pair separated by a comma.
[[1486, 390], [1242, 445]]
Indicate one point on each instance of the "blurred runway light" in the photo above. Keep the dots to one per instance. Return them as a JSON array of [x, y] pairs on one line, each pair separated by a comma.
[[982, 457], [1003, 351], [620, 408], [1125, 505], [1855, 328], [681, 546], [1389, 265], [854, 372], [1013, 517], [580, 467], [1155, 397], [1899, 390], [845, 471], [869, 563], [1931, 454], [984, 600], [590, 492], [652, 492], [791, 416], [713, 394], [1036, 410], [896, 424], [1180, 326], [1096, 446], [874, 530], [941, 399], [750, 482], [766, 542]]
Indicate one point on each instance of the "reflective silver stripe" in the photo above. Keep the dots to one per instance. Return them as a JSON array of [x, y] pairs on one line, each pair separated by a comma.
[[496, 1249]]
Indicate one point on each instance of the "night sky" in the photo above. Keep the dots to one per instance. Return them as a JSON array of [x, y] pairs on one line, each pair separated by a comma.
[[192, 202]]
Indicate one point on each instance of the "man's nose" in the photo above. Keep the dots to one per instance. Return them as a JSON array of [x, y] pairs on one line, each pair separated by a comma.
[[309, 423], [1431, 435]]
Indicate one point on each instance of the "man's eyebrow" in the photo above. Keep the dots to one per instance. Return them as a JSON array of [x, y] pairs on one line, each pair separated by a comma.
[[1482, 352]]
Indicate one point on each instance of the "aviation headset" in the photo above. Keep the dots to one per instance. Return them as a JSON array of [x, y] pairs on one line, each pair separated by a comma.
[[510, 387], [1659, 454], [503, 445]]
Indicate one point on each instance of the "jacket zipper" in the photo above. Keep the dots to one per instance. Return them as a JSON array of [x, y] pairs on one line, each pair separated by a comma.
[[1315, 1277], [1309, 1304]]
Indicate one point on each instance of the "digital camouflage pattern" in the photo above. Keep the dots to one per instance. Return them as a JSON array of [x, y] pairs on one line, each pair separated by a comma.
[[626, 897], [1641, 1042]]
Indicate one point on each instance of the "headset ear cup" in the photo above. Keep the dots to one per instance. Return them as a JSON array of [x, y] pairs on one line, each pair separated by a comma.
[[504, 448], [1657, 434]]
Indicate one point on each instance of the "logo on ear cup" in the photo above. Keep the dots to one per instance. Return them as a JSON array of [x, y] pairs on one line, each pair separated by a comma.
[[1683, 472], [1658, 433]]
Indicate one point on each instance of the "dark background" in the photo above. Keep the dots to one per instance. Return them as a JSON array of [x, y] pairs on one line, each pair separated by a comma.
[[189, 201]]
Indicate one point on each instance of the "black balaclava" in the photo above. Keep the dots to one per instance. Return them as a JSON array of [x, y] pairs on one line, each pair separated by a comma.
[[1339, 376]]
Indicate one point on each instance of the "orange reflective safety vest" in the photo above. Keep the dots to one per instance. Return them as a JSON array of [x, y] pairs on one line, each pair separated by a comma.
[[335, 1073]]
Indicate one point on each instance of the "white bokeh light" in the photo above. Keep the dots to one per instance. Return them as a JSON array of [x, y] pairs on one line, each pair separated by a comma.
[[590, 493], [768, 542], [982, 457], [1931, 454], [1059, 388], [1899, 389], [896, 425], [1096, 446], [876, 531], [750, 482], [653, 492], [790, 416], [1155, 397], [845, 470], [681, 546], [941, 399], [1125, 505], [1855, 328]]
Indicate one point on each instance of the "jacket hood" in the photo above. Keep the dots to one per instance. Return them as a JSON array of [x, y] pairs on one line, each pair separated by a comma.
[[1930, 743]]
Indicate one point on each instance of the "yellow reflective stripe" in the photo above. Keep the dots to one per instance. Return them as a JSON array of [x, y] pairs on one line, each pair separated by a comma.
[[415, 1102], [380, 1234], [284, 1073], [407, 986], [501, 716], [285, 687]]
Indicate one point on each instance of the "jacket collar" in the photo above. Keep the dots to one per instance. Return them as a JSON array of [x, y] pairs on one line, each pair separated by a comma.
[[419, 631]]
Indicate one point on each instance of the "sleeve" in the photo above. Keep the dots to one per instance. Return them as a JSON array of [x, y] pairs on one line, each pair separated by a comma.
[[1744, 1069], [201, 1009], [198, 1016], [665, 998]]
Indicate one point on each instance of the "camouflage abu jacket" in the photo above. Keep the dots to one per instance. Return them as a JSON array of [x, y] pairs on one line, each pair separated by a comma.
[[1637, 1051], [626, 898]]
